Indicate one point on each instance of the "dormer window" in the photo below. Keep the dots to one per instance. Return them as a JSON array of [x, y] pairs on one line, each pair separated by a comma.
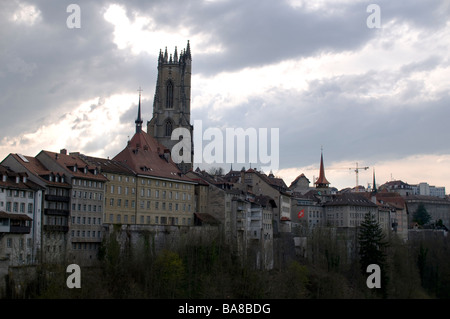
[[75, 168], [4, 178], [17, 179], [85, 170], [24, 179]]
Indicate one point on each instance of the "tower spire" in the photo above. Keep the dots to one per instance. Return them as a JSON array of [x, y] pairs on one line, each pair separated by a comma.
[[322, 180], [188, 50], [374, 187], [139, 119]]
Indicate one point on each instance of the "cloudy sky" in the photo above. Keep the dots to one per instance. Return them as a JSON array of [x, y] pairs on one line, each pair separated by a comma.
[[377, 96]]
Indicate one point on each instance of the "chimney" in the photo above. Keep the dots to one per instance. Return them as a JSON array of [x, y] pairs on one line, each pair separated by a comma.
[[63, 151]]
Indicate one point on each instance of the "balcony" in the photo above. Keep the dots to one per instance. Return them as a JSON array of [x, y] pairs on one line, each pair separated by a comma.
[[56, 198], [56, 212], [19, 229]]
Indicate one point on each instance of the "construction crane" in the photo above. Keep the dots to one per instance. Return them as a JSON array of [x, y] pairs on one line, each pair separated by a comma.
[[356, 170]]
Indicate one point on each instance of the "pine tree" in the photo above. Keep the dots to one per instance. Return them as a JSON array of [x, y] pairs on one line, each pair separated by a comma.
[[421, 215], [372, 245]]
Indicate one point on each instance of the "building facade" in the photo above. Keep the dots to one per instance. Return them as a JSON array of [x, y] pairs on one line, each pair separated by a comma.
[[87, 202], [56, 205], [20, 218]]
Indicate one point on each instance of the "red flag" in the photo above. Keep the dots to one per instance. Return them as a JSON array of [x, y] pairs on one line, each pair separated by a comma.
[[301, 213]]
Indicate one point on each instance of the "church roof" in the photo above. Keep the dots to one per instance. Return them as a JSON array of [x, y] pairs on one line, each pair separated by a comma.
[[146, 156]]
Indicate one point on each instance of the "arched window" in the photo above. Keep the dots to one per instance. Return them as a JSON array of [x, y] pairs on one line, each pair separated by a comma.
[[169, 95], [168, 128]]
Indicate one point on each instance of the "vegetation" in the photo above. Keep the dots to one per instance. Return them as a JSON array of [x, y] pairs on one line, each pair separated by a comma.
[[421, 216], [372, 246], [332, 268]]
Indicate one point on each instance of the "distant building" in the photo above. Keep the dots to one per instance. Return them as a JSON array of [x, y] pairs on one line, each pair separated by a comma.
[[428, 190], [398, 186], [20, 216], [246, 219], [438, 208], [350, 209], [56, 205], [300, 184], [120, 191], [259, 183], [164, 194], [87, 202]]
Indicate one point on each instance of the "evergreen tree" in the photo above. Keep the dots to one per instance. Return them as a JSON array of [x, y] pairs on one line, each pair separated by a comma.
[[372, 246], [421, 215]]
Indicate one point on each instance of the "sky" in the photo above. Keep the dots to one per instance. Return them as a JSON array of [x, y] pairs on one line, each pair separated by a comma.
[[367, 86]]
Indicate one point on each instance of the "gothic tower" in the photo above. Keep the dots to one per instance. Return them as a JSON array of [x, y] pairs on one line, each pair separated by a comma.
[[172, 101]]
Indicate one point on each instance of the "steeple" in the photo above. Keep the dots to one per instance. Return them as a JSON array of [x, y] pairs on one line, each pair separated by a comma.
[[139, 119], [374, 187], [175, 56], [322, 182], [188, 50]]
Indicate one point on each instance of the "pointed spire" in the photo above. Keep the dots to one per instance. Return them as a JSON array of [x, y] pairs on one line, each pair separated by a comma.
[[322, 181], [175, 56], [160, 58], [165, 55], [374, 187], [139, 119], [188, 50]]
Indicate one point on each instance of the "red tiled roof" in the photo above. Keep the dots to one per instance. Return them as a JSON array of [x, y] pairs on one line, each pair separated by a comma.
[[37, 168], [68, 161], [146, 156]]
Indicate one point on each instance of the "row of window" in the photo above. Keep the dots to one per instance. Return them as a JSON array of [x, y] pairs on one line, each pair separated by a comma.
[[17, 207], [87, 195], [87, 183], [21, 244], [147, 192], [158, 220], [17, 193], [85, 246], [86, 208], [148, 205], [86, 233], [148, 182], [83, 220]]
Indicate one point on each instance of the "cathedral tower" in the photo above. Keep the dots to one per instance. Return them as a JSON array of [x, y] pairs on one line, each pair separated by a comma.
[[172, 101]]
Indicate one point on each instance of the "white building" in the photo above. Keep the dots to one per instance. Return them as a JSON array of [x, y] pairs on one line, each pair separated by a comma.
[[20, 217]]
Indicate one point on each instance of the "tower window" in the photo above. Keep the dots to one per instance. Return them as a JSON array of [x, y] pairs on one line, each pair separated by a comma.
[[168, 128], [169, 95]]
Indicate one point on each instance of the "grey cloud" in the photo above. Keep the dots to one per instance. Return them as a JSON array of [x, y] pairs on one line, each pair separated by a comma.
[[49, 68]]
